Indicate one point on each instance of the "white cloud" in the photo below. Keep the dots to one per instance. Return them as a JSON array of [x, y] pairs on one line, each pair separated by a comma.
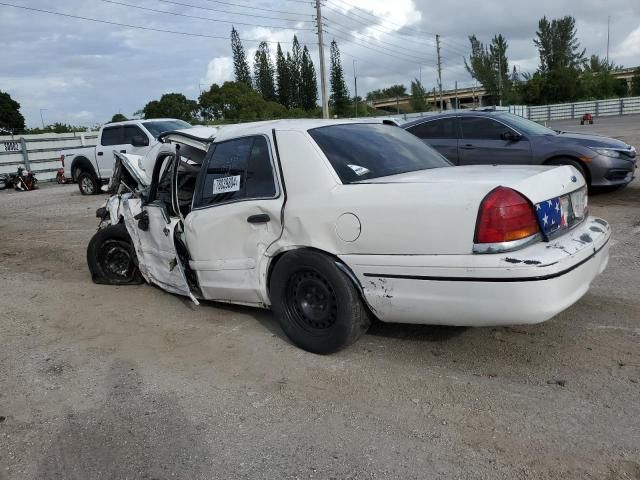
[[219, 70], [630, 46]]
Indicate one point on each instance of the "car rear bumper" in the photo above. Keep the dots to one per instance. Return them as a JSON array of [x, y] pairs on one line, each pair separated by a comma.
[[527, 286]]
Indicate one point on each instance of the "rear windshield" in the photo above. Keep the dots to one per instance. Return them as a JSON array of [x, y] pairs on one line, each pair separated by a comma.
[[158, 128], [364, 151]]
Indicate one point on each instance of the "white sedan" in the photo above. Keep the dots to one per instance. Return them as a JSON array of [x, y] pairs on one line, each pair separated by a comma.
[[332, 223]]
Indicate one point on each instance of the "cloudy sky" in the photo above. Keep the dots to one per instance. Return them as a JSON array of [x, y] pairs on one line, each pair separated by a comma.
[[82, 72]]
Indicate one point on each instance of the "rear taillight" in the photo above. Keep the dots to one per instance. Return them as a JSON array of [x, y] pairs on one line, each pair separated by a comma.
[[62, 160], [505, 216]]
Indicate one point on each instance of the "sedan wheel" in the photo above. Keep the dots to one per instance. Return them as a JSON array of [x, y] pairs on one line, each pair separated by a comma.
[[318, 306], [111, 257]]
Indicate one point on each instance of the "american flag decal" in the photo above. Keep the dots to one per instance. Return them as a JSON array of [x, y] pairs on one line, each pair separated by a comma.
[[551, 215]]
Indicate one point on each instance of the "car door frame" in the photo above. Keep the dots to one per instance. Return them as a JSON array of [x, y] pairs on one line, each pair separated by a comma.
[[457, 129], [263, 260], [461, 138]]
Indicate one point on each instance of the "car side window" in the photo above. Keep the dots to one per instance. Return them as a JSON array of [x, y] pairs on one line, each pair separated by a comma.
[[131, 131], [482, 128], [237, 170], [443, 128], [111, 136]]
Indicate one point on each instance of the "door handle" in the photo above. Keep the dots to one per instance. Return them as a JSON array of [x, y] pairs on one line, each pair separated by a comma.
[[260, 218], [123, 151], [468, 146], [100, 154]]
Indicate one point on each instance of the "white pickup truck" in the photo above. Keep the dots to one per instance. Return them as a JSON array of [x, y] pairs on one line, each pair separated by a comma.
[[92, 167]]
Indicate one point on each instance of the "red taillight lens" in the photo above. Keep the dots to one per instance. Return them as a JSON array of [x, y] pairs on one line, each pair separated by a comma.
[[505, 216], [62, 160]]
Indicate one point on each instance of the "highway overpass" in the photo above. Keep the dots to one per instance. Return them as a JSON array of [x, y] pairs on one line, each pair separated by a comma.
[[467, 97]]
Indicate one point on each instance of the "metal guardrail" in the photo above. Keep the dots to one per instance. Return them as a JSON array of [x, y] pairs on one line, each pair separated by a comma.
[[598, 108], [40, 153]]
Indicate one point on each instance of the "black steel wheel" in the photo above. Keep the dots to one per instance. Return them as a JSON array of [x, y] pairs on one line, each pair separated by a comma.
[[311, 301], [111, 257], [317, 304]]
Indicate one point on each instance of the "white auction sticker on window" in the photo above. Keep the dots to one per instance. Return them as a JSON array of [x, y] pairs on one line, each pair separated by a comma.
[[226, 184], [358, 170]]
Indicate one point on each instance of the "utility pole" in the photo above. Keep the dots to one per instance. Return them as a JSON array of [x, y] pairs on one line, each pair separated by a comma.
[[323, 74], [457, 106], [355, 86], [42, 117], [608, 29], [439, 70]]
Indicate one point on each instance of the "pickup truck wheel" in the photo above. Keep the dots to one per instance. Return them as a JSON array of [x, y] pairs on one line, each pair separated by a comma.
[[88, 184], [318, 307], [111, 257]]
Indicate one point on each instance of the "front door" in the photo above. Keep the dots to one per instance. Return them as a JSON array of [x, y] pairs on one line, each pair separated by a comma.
[[483, 142], [236, 216]]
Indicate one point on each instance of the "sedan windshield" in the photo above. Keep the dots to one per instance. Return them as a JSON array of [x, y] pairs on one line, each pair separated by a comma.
[[158, 128], [363, 151], [526, 126]]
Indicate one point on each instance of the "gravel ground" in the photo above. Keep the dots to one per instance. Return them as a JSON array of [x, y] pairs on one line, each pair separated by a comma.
[[133, 383]]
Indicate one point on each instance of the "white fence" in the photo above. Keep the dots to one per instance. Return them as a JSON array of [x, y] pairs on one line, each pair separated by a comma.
[[597, 108], [40, 153]]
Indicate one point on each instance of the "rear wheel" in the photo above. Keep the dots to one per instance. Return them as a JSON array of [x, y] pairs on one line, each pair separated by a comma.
[[88, 184], [111, 257], [318, 307], [574, 163]]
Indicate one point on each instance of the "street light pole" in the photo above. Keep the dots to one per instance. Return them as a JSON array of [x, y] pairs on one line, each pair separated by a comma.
[[355, 86], [323, 75]]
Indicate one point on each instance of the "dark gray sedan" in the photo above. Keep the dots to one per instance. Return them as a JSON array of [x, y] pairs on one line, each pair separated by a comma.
[[490, 137]]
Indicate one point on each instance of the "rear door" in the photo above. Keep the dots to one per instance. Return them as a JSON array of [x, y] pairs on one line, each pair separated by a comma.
[[482, 142], [236, 216], [441, 134]]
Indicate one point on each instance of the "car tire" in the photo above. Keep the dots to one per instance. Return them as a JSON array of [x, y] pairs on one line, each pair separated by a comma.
[[581, 122], [574, 163], [317, 305], [88, 184], [111, 257], [590, 122]]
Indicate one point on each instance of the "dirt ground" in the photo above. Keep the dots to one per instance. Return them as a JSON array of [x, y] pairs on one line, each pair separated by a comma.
[[133, 383]]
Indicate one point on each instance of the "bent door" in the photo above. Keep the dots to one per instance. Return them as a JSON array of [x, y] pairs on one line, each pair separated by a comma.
[[152, 228], [236, 216]]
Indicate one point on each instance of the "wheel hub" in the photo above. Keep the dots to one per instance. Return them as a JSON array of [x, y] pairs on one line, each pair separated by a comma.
[[115, 259], [87, 185], [312, 301]]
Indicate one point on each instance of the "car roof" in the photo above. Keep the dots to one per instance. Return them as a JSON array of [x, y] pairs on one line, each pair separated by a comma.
[[299, 124], [458, 113], [136, 121]]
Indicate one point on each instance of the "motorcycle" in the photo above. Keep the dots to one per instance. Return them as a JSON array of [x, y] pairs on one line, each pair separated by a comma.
[[24, 180], [60, 178]]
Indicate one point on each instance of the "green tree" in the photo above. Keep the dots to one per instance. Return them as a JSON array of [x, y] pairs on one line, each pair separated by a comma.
[[308, 82], [118, 117], [240, 64], [11, 120], [558, 45], [235, 101], [490, 66], [171, 105], [263, 72], [339, 92], [283, 77], [635, 83], [295, 73], [418, 92]]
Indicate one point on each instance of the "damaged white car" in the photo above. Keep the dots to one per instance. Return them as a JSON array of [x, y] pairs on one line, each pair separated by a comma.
[[333, 223]]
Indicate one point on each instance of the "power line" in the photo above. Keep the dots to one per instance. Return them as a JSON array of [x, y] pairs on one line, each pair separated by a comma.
[[126, 25], [209, 9], [255, 8], [199, 18], [366, 39], [380, 19], [349, 32]]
